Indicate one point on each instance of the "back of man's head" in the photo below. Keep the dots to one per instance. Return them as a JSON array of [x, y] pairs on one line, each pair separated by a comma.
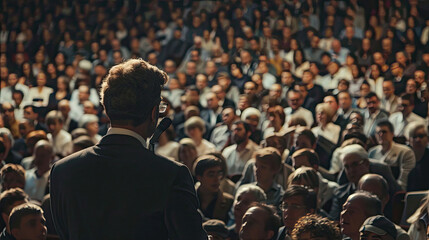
[[131, 90]]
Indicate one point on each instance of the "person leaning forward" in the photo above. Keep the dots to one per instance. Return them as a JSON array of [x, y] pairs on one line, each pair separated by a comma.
[[118, 189]]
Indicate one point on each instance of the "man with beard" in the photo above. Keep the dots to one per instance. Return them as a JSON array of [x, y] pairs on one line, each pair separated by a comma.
[[239, 153]]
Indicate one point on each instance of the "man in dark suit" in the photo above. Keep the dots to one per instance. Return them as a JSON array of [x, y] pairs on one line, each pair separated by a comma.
[[118, 189], [356, 164]]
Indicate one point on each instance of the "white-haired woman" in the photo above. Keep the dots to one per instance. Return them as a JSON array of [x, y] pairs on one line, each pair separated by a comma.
[[325, 127]]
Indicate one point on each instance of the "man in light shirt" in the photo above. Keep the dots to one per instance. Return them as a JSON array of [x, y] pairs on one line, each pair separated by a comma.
[[295, 100], [400, 120]]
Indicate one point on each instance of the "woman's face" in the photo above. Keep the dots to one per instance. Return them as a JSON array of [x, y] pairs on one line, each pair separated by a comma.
[[51, 68], [41, 79], [59, 59], [355, 71], [26, 68], [61, 84], [293, 44], [375, 73], [322, 118], [364, 89], [298, 57]]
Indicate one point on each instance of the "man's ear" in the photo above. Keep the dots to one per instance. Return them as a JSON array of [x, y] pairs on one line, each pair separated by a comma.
[[155, 113], [16, 233], [270, 234]]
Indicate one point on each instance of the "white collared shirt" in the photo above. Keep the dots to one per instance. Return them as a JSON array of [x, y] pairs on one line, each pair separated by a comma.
[[123, 131]]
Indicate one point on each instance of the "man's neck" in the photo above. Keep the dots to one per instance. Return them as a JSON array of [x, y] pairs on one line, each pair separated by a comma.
[[242, 146], [41, 170], [385, 147], [266, 185]]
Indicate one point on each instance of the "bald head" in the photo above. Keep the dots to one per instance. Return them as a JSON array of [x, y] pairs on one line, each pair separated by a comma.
[[375, 184]]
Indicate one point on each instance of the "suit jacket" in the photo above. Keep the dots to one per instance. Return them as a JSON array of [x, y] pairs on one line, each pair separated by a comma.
[[370, 125], [400, 158], [118, 189]]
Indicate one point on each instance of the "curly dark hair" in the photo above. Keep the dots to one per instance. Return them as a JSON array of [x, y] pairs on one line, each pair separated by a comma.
[[317, 226]]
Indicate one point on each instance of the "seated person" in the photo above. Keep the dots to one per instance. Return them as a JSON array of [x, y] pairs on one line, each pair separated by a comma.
[[377, 185], [358, 207], [8, 200], [214, 203], [267, 165], [378, 227], [36, 183], [81, 143], [60, 139], [12, 176], [260, 222], [316, 227], [298, 201], [325, 189], [27, 222], [195, 129], [279, 142], [356, 164], [399, 157], [244, 197], [419, 221], [187, 153]]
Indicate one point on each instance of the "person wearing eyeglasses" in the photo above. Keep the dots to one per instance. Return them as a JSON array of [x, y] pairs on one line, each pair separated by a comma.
[[400, 158], [118, 189], [298, 201], [400, 120], [356, 164], [418, 179]]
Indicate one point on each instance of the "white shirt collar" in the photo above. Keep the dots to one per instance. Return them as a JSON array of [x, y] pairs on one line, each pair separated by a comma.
[[123, 131]]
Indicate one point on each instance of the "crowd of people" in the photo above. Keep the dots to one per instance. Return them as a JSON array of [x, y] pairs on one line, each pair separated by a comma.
[[296, 119]]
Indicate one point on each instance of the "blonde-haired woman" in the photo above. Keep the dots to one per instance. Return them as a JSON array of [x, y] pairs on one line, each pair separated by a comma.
[[325, 127]]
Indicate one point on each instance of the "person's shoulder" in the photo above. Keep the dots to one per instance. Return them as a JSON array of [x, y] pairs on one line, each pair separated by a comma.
[[401, 147], [228, 150], [374, 149], [228, 197], [395, 116]]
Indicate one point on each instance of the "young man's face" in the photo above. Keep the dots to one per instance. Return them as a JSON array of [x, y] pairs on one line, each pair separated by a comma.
[[383, 134], [239, 134], [293, 210], [210, 180], [264, 172], [32, 227]]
